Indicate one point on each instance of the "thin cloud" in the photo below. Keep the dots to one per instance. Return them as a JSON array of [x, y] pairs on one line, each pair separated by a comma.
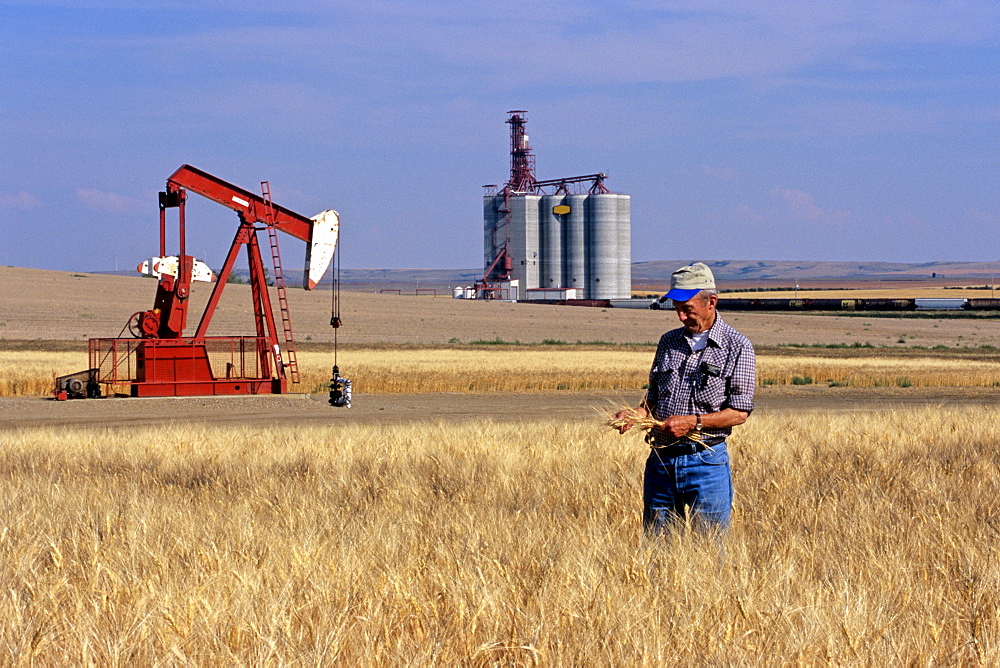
[[747, 212], [639, 42], [720, 173], [98, 200], [802, 206], [20, 201]]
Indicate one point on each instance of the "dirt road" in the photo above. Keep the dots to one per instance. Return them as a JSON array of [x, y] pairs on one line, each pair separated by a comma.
[[17, 413]]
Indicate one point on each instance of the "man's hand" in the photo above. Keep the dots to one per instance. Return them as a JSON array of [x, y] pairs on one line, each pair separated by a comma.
[[624, 415], [676, 426]]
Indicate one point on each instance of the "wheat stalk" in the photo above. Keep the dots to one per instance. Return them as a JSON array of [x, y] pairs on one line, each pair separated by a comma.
[[632, 418]]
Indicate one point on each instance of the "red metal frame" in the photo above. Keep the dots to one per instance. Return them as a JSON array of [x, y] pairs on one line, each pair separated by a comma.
[[217, 365]]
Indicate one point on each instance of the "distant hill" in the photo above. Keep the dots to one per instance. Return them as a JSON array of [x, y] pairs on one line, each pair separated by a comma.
[[658, 272], [754, 270], [412, 276]]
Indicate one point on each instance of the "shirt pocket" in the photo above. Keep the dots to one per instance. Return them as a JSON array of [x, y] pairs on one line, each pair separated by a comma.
[[711, 388], [710, 393], [663, 382]]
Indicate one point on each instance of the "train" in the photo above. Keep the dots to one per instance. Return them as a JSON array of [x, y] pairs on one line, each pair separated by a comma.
[[859, 304]]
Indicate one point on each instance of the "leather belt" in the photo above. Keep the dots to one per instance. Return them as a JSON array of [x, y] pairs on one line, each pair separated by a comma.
[[685, 446]]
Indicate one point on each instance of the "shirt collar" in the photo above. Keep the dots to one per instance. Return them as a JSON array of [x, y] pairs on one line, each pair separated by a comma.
[[714, 332]]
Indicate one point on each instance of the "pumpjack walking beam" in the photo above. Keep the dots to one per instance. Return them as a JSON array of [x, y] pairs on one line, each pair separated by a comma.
[[252, 209]]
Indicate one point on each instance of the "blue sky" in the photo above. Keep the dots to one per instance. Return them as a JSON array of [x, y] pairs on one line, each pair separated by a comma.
[[781, 130]]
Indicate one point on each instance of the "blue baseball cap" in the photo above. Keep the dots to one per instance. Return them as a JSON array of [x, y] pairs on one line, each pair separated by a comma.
[[688, 281]]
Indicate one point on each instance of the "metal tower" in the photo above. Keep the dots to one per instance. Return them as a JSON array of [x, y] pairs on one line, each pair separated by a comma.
[[522, 160]]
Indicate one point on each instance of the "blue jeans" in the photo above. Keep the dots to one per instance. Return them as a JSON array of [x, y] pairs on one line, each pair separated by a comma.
[[700, 484]]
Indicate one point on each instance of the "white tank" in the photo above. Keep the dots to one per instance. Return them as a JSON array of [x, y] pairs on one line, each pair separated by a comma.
[[624, 246], [458, 292], [602, 246], [551, 247], [524, 242], [574, 250]]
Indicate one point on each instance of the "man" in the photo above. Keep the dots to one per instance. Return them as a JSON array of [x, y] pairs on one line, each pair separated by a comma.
[[701, 385]]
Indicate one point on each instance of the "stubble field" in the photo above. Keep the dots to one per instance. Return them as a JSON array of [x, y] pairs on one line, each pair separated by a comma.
[[59, 306], [198, 531]]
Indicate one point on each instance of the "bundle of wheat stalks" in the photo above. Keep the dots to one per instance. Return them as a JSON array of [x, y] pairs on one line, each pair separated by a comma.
[[632, 418]]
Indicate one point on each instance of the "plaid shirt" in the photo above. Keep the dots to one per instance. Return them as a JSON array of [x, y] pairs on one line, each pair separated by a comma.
[[721, 375]]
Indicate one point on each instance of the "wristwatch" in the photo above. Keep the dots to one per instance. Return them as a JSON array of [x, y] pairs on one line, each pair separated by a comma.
[[697, 422]]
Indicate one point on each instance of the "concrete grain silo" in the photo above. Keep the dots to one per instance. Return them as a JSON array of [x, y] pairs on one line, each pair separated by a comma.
[[524, 243], [625, 242], [601, 246], [575, 258], [551, 238]]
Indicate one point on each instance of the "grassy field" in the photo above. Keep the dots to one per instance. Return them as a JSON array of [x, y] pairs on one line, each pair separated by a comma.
[[858, 539], [387, 370]]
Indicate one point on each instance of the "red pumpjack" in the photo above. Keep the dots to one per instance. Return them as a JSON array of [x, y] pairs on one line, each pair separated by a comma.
[[158, 360]]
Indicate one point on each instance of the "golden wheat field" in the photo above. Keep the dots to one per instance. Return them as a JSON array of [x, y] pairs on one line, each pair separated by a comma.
[[491, 369], [864, 539]]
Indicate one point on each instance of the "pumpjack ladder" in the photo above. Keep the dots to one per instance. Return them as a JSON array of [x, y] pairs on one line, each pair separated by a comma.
[[292, 363]]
